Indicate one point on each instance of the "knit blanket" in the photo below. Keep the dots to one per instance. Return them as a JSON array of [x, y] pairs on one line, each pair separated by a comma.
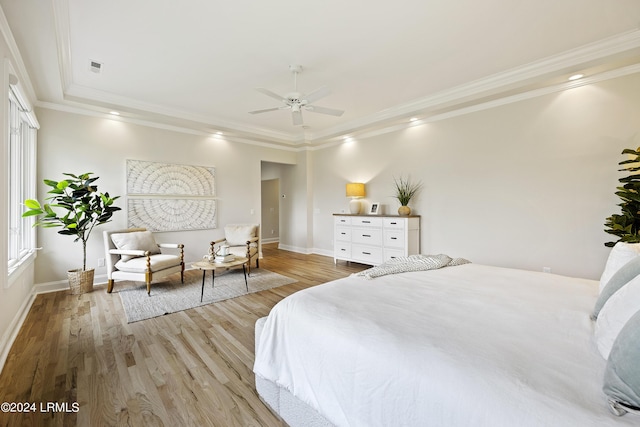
[[411, 263]]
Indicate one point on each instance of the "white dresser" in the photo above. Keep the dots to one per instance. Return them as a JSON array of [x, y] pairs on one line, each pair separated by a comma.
[[374, 239]]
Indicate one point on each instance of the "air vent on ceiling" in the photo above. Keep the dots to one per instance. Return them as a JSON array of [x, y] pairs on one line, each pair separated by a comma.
[[95, 66]]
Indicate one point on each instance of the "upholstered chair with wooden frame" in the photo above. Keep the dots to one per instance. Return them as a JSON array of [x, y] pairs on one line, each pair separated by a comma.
[[243, 241], [133, 254]]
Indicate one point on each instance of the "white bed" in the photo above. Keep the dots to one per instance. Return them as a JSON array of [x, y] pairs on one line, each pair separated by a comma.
[[469, 345]]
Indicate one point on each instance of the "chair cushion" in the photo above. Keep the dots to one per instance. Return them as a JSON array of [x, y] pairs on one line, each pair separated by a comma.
[[135, 240], [241, 251], [237, 235], [139, 264]]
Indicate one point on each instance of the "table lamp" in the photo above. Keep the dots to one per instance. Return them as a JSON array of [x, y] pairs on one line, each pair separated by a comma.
[[355, 190]]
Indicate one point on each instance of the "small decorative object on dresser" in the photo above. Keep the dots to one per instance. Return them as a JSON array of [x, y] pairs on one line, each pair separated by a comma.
[[375, 209], [404, 192], [373, 241]]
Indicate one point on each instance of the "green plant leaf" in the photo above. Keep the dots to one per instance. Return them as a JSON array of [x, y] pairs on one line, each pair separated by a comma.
[[32, 212], [32, 204]]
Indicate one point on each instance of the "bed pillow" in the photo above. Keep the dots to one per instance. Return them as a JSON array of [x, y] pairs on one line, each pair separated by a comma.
[[615, 313], [621, 277], [620, 254], [140, 240], [622, 374]]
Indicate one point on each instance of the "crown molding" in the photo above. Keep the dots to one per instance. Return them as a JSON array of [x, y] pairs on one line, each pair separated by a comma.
[[609, 75], [82, 109], [551, 65], [78, 93]]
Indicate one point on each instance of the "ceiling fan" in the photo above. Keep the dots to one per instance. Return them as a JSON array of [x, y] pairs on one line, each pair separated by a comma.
[[297, 101]]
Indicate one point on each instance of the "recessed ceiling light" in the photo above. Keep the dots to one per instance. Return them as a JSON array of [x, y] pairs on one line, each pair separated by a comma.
[[413, 119], [576, 77], [115, 113]]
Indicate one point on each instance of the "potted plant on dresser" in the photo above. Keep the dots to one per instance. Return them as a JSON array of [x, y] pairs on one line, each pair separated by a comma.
[[81, 207], [404, 192]]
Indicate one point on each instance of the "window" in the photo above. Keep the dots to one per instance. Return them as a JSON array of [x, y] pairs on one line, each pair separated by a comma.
[[21, 177]]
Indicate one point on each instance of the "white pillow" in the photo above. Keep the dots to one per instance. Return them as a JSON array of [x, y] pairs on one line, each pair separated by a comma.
[[237, 235], [615, 313], [620, 254], [135, 240]]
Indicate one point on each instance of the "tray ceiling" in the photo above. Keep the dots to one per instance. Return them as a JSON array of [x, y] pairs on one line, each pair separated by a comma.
[[196, 64]]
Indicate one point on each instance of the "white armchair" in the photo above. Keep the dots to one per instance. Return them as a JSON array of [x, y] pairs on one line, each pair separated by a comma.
[[243, 241], [133, 254]]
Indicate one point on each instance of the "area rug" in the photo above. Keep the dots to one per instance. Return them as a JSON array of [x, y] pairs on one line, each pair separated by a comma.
[[172, 296]]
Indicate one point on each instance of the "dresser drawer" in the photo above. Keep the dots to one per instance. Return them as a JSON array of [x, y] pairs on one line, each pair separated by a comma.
[[342, 220], [367, 254], [392, 254], [366, 222], [394, 223], [393, 238], [367, 236], [342, 250], [343, 234]]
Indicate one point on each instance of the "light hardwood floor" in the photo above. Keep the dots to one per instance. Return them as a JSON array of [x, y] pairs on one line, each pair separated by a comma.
[[192, 368]]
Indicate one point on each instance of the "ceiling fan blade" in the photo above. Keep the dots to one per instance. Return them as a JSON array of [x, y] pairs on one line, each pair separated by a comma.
[[296, 117], [265, 110], [317, 94], [271, 94], [323, 110]]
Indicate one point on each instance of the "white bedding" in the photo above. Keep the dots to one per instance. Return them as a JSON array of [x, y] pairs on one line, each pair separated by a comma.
[[469, 345]]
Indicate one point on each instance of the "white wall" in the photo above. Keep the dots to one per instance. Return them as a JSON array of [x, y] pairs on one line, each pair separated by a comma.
[[77, 143], [524, 185]]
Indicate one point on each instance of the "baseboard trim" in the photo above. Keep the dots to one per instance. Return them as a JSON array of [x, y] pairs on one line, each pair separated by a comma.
[[296, 249], [10, 335]]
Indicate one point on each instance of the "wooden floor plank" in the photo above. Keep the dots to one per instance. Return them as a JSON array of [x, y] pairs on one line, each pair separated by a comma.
[[191, 368]]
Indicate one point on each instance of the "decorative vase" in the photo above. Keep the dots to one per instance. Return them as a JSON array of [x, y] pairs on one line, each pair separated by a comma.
[[404, 210], [80, 281]]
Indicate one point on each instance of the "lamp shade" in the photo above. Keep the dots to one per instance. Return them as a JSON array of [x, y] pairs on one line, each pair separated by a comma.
[[355, 189]]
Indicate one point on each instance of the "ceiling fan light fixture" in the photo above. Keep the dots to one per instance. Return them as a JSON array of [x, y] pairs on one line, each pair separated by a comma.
[[296, 101]]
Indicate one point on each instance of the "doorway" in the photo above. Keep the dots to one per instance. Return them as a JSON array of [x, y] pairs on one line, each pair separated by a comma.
[[270, 220]]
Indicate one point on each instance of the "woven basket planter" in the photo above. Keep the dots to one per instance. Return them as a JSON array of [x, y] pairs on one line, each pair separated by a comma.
[[80, 281]]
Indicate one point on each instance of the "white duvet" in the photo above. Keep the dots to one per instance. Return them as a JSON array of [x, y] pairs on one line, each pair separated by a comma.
[[469, 345]]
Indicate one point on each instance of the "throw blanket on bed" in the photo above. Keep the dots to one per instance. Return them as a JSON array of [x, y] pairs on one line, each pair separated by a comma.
[[411, 263]]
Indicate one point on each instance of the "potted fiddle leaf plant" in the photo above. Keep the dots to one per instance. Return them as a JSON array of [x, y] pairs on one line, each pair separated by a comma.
[[76, 206], [626, 224], [404, 192]]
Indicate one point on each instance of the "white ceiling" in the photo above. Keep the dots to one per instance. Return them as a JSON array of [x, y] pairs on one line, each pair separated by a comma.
[[196, 63]]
